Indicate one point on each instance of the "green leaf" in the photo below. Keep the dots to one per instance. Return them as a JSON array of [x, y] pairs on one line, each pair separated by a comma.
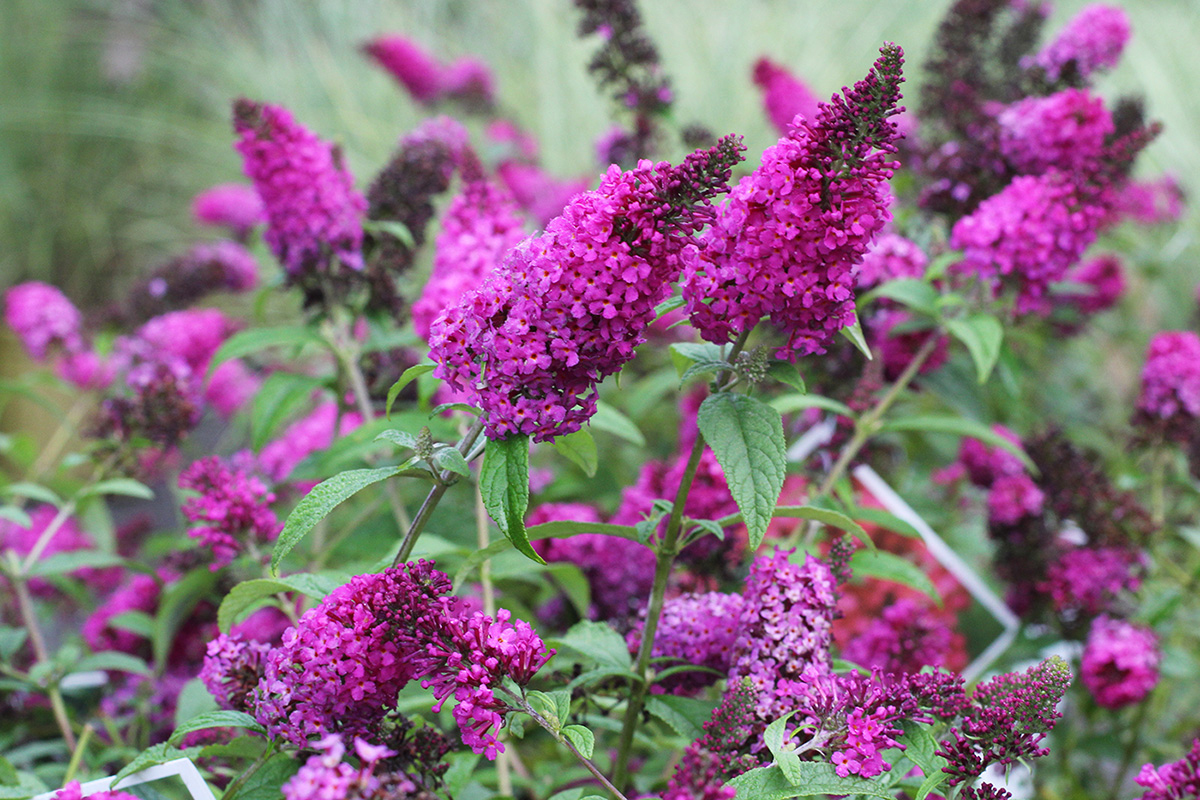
[[921, 748], [11, 640], [785, 757], [684, 354], [246, 593], [610, 420], [61, 563], [891, 567], [787, 373], [706, 367], [545, 705], [280, 398], [194, 699], [239, 747], [392, 227], [791, 403], [250, 341], [398, 438], [814, 778], [570, 579], [883, 519], [668, 305], [217, 719], [959, 426], [937, 268], [982, 334], [126, 487], [504, 485], [317, 504], [580, 448], [598, 642], [826, 516], [685, 715], [408, 376], [583, 739], [152, 757], [911, 292], [854, 335], [138, 623], [34, 491], [112, 660], [449, 458], [746, 436], [265, 782], [178, 600], [15, 515]]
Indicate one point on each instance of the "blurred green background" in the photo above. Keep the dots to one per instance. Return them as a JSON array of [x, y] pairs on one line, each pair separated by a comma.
[[113, 113]]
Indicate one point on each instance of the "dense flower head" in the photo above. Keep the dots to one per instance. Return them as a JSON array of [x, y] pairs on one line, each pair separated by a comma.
[[1171, 376], [1120, 662], [192, 336], [232, 668], [889, 258], [232, 508], [717, 756], [160, 402], [699, 630], [1012, 498], [1027, 236], [406, 61], [1104, 279], [67, 538], [905, 638], [73, 791], [567, 308], [784, 95], [43, 318], [313, 211], [1175, 780], [326, 776], [1091, 41], [204, 268], [787, 239], [1089, 580], [1066, 130], [340, 668], [984, 463], [305, 436], [785, 626], [1006, 721], [479, 226], [470, 81], [234, 206]]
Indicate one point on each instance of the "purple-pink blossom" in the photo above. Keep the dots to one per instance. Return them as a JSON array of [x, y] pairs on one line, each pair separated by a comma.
[[1093, 40], [698, 630], [1175, 780], [1066, 130], [1120, 662], [305, 436], [232, 668], [313, 212], [784, 95], [43, 319], [890, 257], [1012, 498], [1090, 580], [234, 206], [1171, 376], [231, 511]]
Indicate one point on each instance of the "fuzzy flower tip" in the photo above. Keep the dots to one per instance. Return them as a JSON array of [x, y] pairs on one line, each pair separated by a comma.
[[313, 211], [43, 318], [1091, 41], [1177, 780], [1120, 662], [1171, 376], [478, 228], [784, 95], [1027, 237], [567, 308], [786, 241], [234, 206]]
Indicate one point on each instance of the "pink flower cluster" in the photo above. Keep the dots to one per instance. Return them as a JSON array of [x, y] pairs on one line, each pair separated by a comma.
[[340, 668], [698, 630], [710, 761], [466, 79], [784, 95], [232, 507], [889, 258], [897, 346], [906, 638], [568, 307], [1066, 130], [1091, 41], [1027, 236], [1104, 278], [232, 668], [1151, 202], [1089, 580], [43, 318], [227, 264], [1120, 662], [479, 226], [866, 735], [1012, 498], [69, 537], [1176, 780], [311, 433], [785, 627], [326, 776], [787, 239], [313, 211], [234, 206], [1171, 376], [73, 791]]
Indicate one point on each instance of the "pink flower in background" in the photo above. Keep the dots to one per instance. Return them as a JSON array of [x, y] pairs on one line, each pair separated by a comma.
[[1090, 580], [313, 211], [539, 193], [192, 336], [1105, 276], [784, 95], [889, 258], [1066, 131], [697, 630], [73, 791], [69, 537], [1151, 202], [1171, 376], [1093, 40], [232, 508], [234, 206], [304, 437], [407, 62], [1120, 662], [1012, 498], [43, 319], [984, 463], [86, 370], [470, 80]]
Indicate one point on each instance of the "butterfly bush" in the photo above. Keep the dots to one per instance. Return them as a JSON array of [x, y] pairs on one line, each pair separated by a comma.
[[698, 630], [1176, 780], [1120, 662], [567, 308], [43, 318], [1067, 130], [786, 241], [232, 507], [233, 206], [1170, 395], [784, 95], [1092, 41]]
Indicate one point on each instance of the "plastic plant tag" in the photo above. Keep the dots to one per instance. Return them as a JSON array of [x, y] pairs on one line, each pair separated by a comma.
[[176, 780]]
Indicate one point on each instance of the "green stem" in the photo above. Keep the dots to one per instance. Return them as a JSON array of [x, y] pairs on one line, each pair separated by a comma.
[[60, 438], [435, 495], [1158, 487], [77, 755], [47, 535], [664, 560], [567, 743], [29, 618], [1131, 748], [240, 780]]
